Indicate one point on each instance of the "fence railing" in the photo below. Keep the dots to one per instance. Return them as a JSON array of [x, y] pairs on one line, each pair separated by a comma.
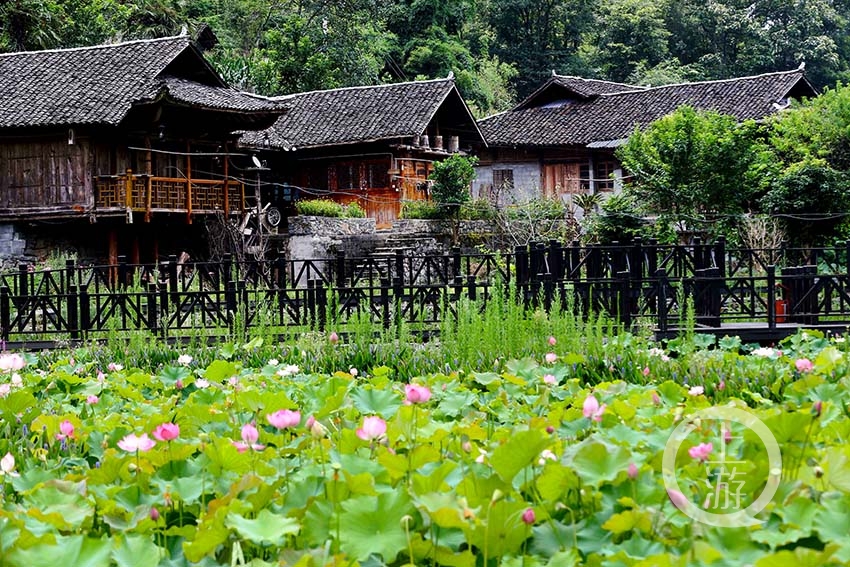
[[642, 284]]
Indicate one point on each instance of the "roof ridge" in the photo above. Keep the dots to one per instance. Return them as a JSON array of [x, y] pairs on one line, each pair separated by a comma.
[[187, 38], [166, 78], [707, 82], [363, 87], [596, 80]]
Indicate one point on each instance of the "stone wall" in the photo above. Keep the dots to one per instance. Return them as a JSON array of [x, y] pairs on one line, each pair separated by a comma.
[[13, 246], [526, 181]]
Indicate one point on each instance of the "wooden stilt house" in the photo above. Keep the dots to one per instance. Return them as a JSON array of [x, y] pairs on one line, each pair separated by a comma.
[[118, 148]]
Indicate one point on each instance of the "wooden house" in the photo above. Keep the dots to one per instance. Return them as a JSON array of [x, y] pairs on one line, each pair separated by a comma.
[[374, 145], [119, 148], [560, 141]]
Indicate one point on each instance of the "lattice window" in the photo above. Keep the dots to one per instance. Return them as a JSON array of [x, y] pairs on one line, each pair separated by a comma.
[[603, 174], [503, 179]]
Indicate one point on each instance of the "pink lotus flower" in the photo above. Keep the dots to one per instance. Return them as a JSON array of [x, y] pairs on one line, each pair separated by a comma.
[[551, 357], [133, 443], [727, 436], [678, 499], [632, 471], [66, 430], [5, 390], [284, 419], [549, 379], [250, 435], [154, 514], [92, 399], [7, 465], [591, 408], [696, 391], [553, 341], [11, 362], [185, 359], [114, 367], [817, 408], [804, 365], [200, 383], [166, 432], [646, 370], [317, 430], [415, 394], [374, 428], [333, 338], [655, 399], [701, 451], [721, 385], [528, 516], [353, 371]]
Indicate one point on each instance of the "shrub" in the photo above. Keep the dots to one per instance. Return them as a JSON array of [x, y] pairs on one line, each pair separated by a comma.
[[328, 208], [478, 209], [427, 210], [354, 211]]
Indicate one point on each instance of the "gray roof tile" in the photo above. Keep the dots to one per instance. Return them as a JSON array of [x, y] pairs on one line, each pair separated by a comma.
[[99, 85], [356, 114], [614, 116]]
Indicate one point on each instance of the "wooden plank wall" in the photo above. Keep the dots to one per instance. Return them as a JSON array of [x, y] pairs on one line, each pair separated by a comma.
[[45, 172]]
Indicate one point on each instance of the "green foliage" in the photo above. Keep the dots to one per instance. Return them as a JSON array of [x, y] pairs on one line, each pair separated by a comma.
[[813, 194], [542, 208], [328, 208], [693, 165], [478, 209], [618, 221], [422, 210], [452, 178]]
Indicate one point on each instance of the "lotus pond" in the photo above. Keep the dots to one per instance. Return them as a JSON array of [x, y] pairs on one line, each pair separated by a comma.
[[233, 457]]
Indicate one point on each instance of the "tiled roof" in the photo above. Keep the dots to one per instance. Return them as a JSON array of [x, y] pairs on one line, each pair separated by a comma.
[[591, 87], [99, 85], [225, 98], [356, 114], [614, 116]]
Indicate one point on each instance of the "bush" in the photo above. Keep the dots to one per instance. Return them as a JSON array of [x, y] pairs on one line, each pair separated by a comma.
[[354, 211], [478, 209], [328, 208], [537, 209], [426, 210]]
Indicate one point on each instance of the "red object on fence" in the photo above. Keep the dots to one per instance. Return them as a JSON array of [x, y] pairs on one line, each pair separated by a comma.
[[781, 308]]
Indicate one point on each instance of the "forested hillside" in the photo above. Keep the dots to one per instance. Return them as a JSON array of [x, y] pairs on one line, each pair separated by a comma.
[[499, 50]]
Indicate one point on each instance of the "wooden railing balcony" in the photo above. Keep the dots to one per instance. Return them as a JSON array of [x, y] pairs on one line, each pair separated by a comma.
[[149, 194]]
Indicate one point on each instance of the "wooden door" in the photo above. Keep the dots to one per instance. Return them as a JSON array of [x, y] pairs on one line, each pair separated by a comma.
[[561, 179], [383, 205]]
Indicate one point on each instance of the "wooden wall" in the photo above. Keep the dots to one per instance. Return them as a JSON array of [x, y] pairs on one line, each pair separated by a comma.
[[47, 172]]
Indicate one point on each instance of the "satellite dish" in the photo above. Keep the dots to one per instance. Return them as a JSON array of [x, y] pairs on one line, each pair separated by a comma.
[[257, 162]]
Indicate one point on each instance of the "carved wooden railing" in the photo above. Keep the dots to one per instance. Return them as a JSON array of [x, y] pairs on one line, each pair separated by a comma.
[[150, 194]]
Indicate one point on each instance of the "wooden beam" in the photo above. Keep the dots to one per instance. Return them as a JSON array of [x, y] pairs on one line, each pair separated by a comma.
[[188, 183], [226, 194], [113, 255]]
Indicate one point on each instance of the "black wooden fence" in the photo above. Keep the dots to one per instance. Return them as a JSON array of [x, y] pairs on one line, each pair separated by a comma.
[[643, 283]]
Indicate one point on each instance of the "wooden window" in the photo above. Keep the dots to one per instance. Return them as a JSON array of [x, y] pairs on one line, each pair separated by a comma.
[[347, 176], [603, 173], [503, 179], [376, 176]]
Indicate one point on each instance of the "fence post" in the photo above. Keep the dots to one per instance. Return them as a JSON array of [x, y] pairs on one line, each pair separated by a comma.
[[771, 297], [661, 275], [624, 303], [636, 258], [521, 253], [5, 314], [456, 265], [385, 302], [339, 268], [471, 289], [23, 281], [321, 304], [280, 266], [153, 322], [85, 311], [122, 272], [172, 278], [398, 294], [555, 263], [399, 264], [847, 257], [70, 271], [311, 302], [548, 291], [73, 315]]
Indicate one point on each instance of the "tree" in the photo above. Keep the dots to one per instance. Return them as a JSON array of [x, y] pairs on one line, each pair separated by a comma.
[[452, 178], [693, 166]]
